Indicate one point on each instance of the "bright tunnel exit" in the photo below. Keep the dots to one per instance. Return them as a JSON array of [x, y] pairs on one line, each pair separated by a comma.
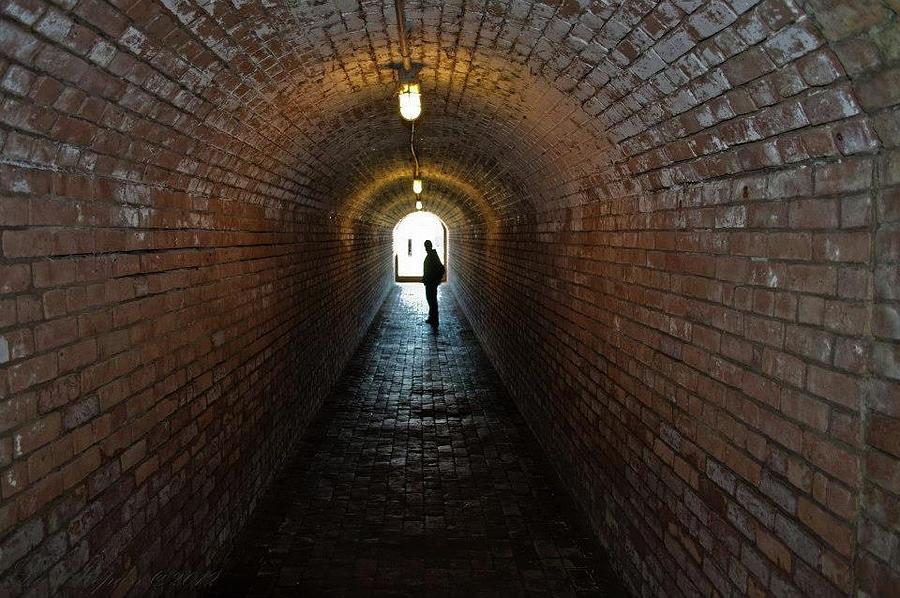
[[410, 235]]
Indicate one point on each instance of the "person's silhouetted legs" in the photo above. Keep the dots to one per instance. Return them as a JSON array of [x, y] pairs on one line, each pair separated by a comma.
[[432, 275], [431, 297]]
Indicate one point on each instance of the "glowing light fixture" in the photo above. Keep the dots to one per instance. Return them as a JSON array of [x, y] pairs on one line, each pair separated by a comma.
[[418, 204], [417, 186], [410, 101]]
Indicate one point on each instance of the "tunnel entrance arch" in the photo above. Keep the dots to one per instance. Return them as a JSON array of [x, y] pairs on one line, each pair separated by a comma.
[[410, 235]]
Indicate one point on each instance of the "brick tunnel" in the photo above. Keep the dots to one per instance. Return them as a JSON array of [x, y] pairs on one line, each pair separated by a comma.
[[674, 232]]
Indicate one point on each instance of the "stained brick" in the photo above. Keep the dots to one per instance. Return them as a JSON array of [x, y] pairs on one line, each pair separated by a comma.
[[20, 542], [32, 371], [883, 433], [49, 457], [800, 542], [792, 42], [834, 386], [881, 90], [56, 333], [830, 105], [835, 532], [831, 458], [841, 20], [776, 552]]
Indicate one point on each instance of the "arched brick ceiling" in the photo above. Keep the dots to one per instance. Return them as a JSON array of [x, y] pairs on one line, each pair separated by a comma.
[[311, 86], [384, 196], [539, 105]]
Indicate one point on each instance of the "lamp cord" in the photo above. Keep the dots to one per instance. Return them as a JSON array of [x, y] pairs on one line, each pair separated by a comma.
[[412, 146], [401, 34]]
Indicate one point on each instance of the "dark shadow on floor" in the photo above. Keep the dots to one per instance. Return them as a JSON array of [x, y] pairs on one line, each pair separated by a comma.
[[419, 478]]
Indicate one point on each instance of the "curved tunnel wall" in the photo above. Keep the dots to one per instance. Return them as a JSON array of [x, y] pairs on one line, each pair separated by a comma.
[[707, 342], [673, 225]]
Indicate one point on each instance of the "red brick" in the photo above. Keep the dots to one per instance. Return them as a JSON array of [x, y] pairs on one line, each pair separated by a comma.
[[831, 104], [145, 470], [813, 214], [853, 283], [37, 434], [19, 344], [54, 303], [846, 318], [134, 455], [58, 393], [811, 279], [792, 42], [852, 354], [884, 433], [820, 68], [811, 343], [805, 409], [33, 371], [840, 20], [877, 578], [832, 459], [851, 174], [855, 136], [776, 552], [819, 142], [56, 333], [41, 493], [837, 534], [781, 431], [49, 457], [811, 309], [834, 386], [15, 278], [881, 90], [841, 501], [77, 356], [81, 467], [747, 66], [841, 247], [845, 428], [7, 313], [51, 273], [16, 411], [789, 245]]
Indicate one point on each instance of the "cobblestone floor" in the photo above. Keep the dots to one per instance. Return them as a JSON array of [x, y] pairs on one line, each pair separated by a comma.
[[419, 478]]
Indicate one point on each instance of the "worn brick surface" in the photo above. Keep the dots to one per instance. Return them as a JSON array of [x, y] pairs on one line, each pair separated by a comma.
[[419, 478]]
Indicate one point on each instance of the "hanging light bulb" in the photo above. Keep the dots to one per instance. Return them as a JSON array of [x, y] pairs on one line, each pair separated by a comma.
[[410, 101], [418, 204], [417, 186]]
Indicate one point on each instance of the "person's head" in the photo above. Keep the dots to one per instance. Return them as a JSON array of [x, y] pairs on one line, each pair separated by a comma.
[[428, 245]]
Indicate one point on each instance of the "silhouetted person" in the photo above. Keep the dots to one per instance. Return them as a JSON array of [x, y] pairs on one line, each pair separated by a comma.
[[433, 274]]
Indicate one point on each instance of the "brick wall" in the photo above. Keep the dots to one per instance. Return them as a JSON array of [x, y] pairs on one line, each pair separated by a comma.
[[153, 384], [175, 301], [706, 341]]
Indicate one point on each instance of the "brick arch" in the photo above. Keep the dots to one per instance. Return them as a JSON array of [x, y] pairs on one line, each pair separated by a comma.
[[389, 189], [285, 116]]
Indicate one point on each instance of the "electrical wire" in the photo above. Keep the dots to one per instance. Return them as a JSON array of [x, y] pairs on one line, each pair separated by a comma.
[[401, 34], [412, 146]]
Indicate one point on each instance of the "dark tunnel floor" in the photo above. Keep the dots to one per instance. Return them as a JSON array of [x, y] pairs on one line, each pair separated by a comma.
[[419, 478]]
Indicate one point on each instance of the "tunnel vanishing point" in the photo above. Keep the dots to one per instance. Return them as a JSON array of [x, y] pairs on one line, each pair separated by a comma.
[[673, 225]]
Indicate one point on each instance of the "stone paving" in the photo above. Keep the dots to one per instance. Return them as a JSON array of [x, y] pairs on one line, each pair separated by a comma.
[[419, 478]]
